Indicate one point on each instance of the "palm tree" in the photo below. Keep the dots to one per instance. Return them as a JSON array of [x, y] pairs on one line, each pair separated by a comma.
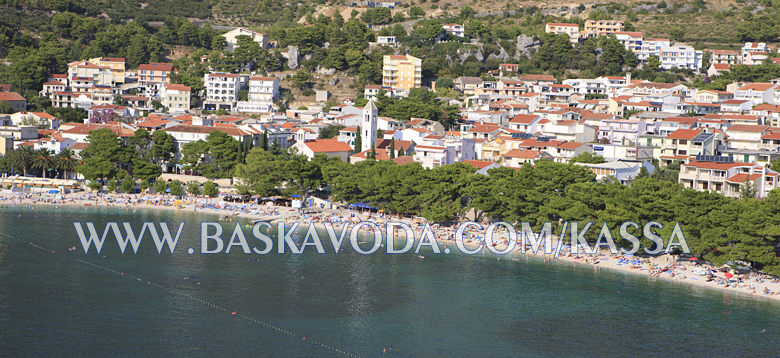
[[23, 158], [43, 160], [65, 161]]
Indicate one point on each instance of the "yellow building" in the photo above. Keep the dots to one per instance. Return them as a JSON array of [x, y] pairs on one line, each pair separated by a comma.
[[116, 64], [603, 27], [402, 72]]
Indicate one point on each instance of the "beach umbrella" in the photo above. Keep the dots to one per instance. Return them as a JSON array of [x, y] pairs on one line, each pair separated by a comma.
[[692, 259], [728, 275]]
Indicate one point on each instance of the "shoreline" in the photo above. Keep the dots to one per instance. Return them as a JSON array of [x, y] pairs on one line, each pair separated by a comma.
[[665, 267]]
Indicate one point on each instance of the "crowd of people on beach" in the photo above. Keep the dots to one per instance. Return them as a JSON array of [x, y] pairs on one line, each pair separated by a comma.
[[665, 266]]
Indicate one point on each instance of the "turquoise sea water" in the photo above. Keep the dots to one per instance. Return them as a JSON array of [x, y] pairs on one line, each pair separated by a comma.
[[75, 304]]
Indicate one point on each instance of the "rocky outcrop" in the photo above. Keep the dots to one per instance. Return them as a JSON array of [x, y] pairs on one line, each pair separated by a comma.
[[524, 45], [293, 57]]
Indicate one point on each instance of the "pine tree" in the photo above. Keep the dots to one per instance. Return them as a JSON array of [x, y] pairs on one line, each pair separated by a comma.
[[748, 190], [392, 148], [358, 141]]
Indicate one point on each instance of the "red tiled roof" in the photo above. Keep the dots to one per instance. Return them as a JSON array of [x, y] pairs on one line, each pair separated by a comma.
[[79, 146], [177, 87], [231, 131], [153, 123], [479, 164], [327, 146], [771, 136], [403, 160], [566, 24], [11, 96], [570, 145], [756, 86], [260, 78], [522, 153], [524, 118], [742, 177], [716, 165], [747, 128], [85, 128], [156, 66], [767, 107], [686, 134], [485, 128], [550, 78], [380, 155]]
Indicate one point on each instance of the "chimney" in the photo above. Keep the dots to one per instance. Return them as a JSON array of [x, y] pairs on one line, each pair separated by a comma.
[[628, 78]]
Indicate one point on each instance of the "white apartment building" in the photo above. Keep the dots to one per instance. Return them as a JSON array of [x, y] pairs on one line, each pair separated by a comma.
[[752, 47], [622, 130], [221, 90], [263, 89], [455, 29], [680, 56], [720, 174], [747, 137], [431, 156], [652, 47], [631, 40], [756, 92]]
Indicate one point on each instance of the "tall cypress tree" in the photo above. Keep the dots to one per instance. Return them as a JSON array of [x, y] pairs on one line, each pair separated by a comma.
[[392, 148], [265, 139], [358, 141]]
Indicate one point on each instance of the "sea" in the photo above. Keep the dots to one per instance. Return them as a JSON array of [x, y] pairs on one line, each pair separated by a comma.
[[56, 301]]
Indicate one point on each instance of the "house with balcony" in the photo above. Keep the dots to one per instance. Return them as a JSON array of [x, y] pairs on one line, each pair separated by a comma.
[[746, 136], [221, 91], [725, 57], [457, 30], [602, 27], [528, 123], [563, 152], [724, 176], [623, 152], [153, 75], [622, 130], [684, 144], [757, 92], [752, 47], [623, 172], [432, 156], [516, 158], [571, 30], [630, 40]]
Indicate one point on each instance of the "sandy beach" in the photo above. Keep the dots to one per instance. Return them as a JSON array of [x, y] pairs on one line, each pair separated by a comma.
[[663, 267]]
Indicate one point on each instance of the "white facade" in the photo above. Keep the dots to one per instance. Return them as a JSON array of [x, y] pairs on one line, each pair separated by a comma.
[[652, 47], [263, 89], [232, 42], [221, 91], [680, 56], [368, 126]]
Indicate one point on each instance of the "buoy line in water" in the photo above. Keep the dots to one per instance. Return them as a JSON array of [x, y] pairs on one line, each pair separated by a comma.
[[207, 303]]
